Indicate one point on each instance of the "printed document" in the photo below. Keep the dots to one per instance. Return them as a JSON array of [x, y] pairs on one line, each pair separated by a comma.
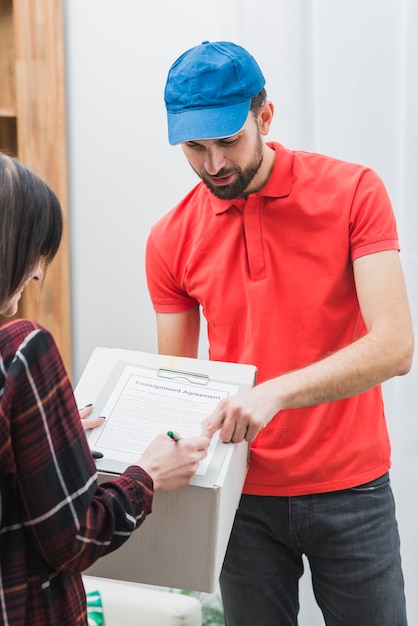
[[140, 403]]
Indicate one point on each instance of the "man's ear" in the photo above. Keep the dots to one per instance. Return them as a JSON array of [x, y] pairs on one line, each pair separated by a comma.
[[265, 116]]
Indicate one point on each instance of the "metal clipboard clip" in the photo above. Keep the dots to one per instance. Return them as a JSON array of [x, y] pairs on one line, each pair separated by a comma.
[[191, 377]]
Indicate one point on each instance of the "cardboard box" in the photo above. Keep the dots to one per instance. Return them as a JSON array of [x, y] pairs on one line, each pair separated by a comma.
[[182, 543]]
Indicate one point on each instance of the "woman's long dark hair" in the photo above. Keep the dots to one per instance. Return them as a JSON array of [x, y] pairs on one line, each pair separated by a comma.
[[30, 224]]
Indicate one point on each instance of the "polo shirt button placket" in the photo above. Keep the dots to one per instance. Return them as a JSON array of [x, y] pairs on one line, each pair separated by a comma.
[[253, 237]]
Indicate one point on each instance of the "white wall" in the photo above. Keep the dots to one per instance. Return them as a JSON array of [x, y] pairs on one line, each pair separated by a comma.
[[344, 78]]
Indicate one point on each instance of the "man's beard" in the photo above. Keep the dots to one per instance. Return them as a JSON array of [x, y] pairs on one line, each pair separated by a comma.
[[244, 177]]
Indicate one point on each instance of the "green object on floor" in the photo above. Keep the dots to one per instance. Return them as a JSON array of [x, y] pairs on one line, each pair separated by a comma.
[[212, 610], [94, 609]]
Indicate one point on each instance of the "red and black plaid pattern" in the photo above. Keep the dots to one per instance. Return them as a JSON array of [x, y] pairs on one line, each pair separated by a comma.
[[55, 520]]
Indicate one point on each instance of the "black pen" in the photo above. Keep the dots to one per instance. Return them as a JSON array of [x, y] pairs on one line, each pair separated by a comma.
[[174, 436], [96, 454]]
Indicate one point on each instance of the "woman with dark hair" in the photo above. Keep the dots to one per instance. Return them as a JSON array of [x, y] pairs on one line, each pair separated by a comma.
[[55, 520]]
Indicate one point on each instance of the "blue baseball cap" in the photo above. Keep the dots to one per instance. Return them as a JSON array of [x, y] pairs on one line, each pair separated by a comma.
[[209, 91]]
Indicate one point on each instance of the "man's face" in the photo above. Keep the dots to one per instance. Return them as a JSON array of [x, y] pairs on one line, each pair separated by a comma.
[[228, 166]]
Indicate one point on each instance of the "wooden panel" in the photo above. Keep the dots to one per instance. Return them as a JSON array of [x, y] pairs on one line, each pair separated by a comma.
[[41, 144], [8, 135], [7, 66]]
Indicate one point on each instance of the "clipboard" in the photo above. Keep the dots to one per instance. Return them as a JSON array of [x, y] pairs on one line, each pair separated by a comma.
[[139, 386]]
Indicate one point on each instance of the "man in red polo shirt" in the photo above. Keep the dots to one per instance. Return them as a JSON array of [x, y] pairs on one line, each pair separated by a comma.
[[293, 259]]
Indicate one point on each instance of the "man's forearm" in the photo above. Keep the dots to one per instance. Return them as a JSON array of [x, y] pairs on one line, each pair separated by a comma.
[[350, 371]]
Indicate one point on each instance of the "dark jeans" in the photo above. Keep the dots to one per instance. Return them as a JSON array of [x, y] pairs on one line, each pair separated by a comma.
[[351, 540]]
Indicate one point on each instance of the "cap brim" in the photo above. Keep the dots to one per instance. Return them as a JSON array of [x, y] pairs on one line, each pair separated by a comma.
[[201, 124]]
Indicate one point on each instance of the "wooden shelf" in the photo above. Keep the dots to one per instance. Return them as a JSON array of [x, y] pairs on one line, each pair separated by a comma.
[[4, 112], [33, 128]]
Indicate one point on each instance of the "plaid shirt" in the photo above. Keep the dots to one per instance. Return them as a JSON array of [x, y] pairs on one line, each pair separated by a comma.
[[55, 520]]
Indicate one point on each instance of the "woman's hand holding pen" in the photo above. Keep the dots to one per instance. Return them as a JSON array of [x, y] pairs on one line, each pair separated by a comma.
[[172, 464]]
